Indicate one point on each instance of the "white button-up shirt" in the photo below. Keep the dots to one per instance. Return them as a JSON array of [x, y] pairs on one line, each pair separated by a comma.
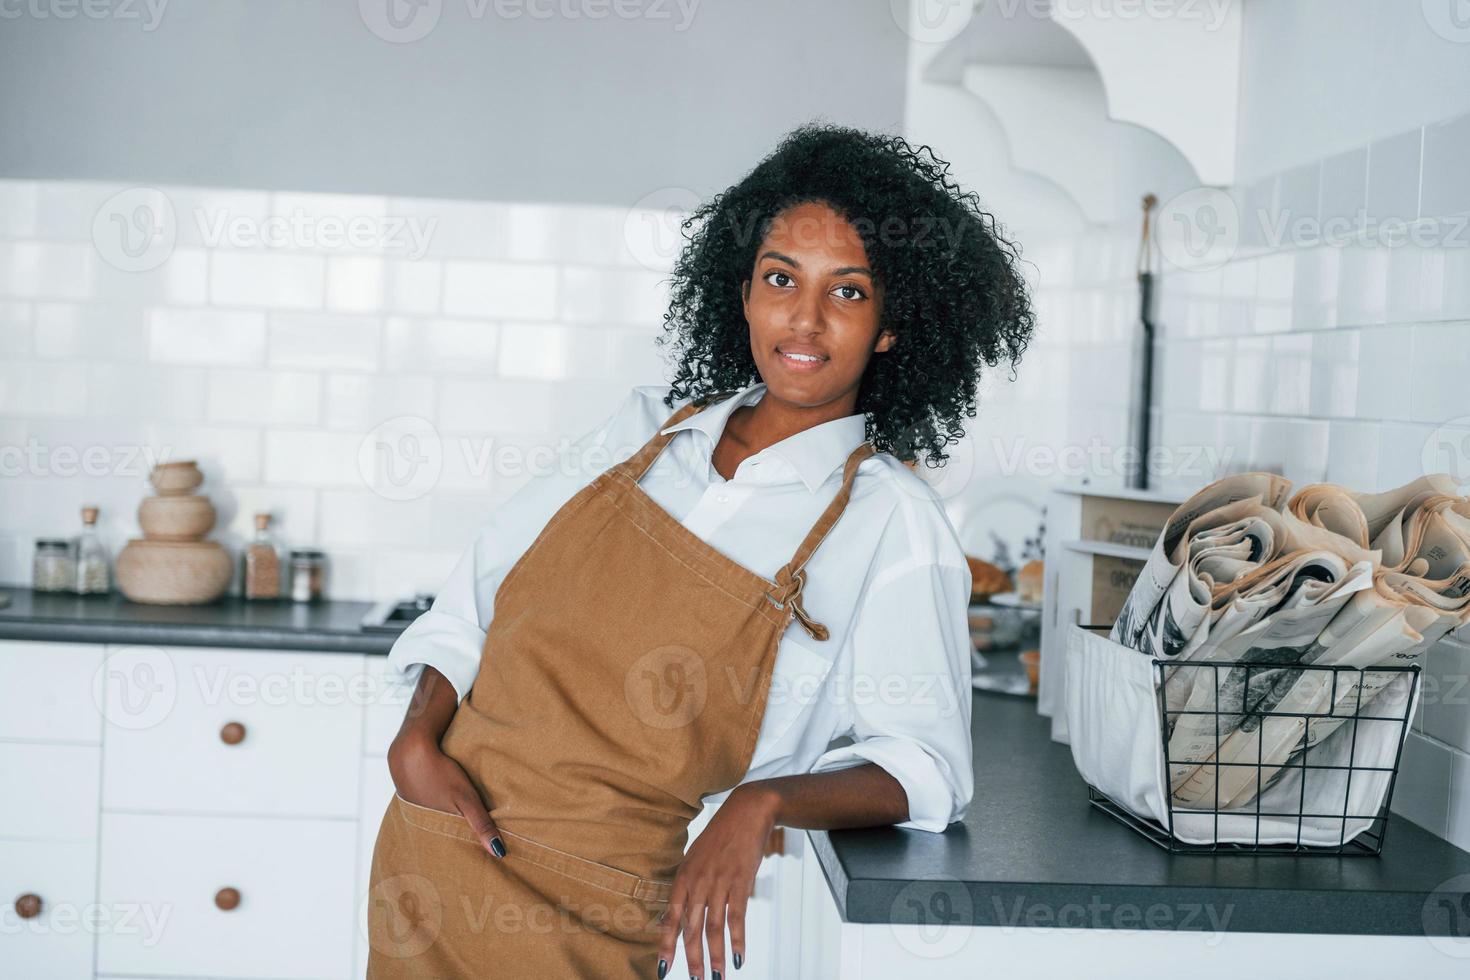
[[890, 582]]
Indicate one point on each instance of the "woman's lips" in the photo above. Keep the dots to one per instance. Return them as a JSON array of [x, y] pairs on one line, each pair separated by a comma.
[[800, 361]]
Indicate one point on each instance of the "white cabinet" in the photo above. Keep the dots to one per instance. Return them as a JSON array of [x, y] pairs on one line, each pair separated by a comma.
[[289, 914], [49, 913], [233, 731], [50, 790], [48, 691], [50, 758]]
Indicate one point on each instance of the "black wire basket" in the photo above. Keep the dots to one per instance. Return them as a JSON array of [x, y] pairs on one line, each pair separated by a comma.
[[1350, 738]]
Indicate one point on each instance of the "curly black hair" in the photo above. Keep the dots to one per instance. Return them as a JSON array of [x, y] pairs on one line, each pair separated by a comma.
[[952, 290]]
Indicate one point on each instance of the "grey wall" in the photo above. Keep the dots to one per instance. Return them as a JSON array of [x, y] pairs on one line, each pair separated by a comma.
[[301, 94]]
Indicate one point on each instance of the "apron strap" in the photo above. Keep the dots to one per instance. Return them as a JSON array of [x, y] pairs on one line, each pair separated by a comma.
[[637, 464], [792, 576]]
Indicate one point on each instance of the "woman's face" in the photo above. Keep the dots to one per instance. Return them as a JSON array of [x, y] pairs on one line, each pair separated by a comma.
[[813, 307]]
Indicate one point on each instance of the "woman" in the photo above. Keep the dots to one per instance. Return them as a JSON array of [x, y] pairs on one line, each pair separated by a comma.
[[696, 623]]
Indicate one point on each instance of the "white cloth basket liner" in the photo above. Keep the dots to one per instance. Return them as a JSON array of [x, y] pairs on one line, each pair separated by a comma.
[[1117, 744]]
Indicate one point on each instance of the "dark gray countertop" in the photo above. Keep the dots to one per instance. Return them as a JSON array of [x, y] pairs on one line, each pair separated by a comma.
[[328, 626], [1032, 851]]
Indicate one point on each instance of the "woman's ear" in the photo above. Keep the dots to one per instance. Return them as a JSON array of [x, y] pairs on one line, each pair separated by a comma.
[[886, 340], [745, 297]]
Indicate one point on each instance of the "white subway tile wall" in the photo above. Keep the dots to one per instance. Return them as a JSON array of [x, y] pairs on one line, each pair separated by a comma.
[[284, 339]]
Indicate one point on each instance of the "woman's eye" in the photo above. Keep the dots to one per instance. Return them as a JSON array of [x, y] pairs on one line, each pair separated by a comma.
[[849, 291], [775, 275]]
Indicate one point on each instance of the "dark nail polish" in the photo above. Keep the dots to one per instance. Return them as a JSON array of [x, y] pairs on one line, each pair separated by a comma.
[[497, 846], [663, 967], [717, 974], [738, 960]]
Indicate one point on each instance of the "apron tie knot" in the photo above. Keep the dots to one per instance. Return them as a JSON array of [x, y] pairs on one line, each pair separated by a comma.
[[790, 584]]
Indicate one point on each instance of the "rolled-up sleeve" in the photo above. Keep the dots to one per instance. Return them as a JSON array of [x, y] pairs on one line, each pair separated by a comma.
[[909, 688], [450, 635]]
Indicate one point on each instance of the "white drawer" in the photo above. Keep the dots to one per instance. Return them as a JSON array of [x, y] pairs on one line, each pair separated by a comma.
[[57, 943], [302, 738], [50, 790], [46, 691], [389, 703], [294, 879]]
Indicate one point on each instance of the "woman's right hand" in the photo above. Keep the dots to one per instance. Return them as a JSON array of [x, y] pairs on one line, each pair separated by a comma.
[[424, 775]]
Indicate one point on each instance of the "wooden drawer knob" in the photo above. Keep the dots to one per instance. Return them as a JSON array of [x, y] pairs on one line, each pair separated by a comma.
[[232, 734], [227, 898], [28, 906]]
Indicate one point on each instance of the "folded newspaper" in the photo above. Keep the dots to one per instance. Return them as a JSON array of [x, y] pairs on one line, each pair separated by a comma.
[[1326, 578]]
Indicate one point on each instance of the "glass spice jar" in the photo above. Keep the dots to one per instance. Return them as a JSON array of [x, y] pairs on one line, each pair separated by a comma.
[[93, 567], [308, 574], [262, 564], [53, 569]]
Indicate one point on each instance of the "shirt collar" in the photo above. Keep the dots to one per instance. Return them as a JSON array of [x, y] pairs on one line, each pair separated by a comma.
[[813, 453]]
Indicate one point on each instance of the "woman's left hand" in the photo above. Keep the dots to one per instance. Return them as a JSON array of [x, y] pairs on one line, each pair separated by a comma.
[[715, 881]]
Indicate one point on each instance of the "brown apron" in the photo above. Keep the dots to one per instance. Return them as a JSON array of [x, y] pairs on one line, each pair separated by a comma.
[[624, 677]]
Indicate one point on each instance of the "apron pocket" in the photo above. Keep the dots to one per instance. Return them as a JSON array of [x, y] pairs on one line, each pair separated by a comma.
[[583, 870], [587, 871], [435, 821]]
